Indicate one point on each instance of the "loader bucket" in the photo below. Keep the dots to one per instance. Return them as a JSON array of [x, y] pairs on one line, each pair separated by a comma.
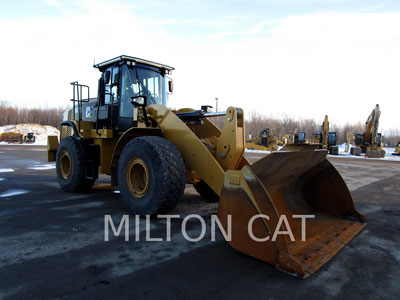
[[289, 184]]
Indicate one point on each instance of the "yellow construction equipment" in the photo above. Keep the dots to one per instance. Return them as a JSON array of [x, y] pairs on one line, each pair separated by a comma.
[[298, 142], [29, 138], [286, 139], [349, 139], [12, 137], [265, 141], [328, 138], [397, 149], [151, 152], [370, 142]]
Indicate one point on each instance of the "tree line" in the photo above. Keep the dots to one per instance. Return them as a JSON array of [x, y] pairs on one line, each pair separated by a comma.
[[255, 122], [10, 115]]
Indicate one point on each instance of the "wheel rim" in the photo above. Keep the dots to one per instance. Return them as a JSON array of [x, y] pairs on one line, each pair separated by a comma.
[[137, 177], [65, 165]]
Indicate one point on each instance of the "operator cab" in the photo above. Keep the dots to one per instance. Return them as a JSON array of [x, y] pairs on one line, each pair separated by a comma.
[[121, 79], [331, 139]]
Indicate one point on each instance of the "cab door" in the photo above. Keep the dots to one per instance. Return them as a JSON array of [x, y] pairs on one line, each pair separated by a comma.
[[129, 88], [108, 110]]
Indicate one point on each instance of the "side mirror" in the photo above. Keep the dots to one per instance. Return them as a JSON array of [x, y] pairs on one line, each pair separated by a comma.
[[107, 76], [170, 86], [140, 101]]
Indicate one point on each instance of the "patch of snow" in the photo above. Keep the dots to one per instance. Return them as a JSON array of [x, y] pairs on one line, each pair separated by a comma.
[[11, 193], [43, 167], [6, 170]]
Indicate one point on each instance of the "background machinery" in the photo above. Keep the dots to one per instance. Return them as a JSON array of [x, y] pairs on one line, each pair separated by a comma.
[[397, 149], [12, 137], [326, 138], [29, 138], [265, 141], [17, 138], [370, 142], [151, 152], [298, 137]]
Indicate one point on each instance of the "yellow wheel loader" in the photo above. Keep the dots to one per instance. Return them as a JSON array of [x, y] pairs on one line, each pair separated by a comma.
[[151, 152]]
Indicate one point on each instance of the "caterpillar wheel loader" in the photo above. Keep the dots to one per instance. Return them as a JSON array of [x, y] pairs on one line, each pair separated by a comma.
[[151, 152]]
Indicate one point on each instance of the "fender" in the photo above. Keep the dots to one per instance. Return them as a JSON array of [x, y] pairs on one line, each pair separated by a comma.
[[123, 140], [71, 124]]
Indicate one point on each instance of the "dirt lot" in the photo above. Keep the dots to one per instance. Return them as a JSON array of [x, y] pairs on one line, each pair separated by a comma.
[[52, 243]]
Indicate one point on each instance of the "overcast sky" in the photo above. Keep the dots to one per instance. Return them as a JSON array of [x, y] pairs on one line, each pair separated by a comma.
[[300, 58]]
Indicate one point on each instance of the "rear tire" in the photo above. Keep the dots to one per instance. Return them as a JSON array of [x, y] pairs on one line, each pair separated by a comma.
[[205, 191], [70, 166], [151, 175]]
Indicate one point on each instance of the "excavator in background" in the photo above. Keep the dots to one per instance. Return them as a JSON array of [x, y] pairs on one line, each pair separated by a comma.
[[298, 137], [326, 139], [265, 141], [150, 152], [370, 142]]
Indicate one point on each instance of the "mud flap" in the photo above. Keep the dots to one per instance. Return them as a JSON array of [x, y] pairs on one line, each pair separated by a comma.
[[290, 184]]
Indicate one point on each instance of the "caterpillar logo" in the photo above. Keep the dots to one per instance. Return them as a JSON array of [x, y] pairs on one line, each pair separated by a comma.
[[88, 112]]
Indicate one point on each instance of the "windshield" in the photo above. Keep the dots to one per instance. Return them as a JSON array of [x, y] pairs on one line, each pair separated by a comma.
[[141, 82]]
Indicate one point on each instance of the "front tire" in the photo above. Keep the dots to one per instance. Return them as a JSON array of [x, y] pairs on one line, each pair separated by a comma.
[[151, 175]]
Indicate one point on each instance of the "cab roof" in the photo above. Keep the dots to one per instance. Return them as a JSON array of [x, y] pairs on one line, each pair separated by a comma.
[[132, 60]]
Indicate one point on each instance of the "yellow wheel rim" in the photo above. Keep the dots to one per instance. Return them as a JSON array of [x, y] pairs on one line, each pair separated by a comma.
[[137, 177], [65, 165]]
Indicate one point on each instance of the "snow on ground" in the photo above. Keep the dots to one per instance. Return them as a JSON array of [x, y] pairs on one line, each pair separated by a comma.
[[6, 170], [40, 167], [388, 154], [40, 131]]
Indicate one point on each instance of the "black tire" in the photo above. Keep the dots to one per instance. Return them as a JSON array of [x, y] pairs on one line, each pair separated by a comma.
[[164, 183], [205, 191], [72, 178]]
